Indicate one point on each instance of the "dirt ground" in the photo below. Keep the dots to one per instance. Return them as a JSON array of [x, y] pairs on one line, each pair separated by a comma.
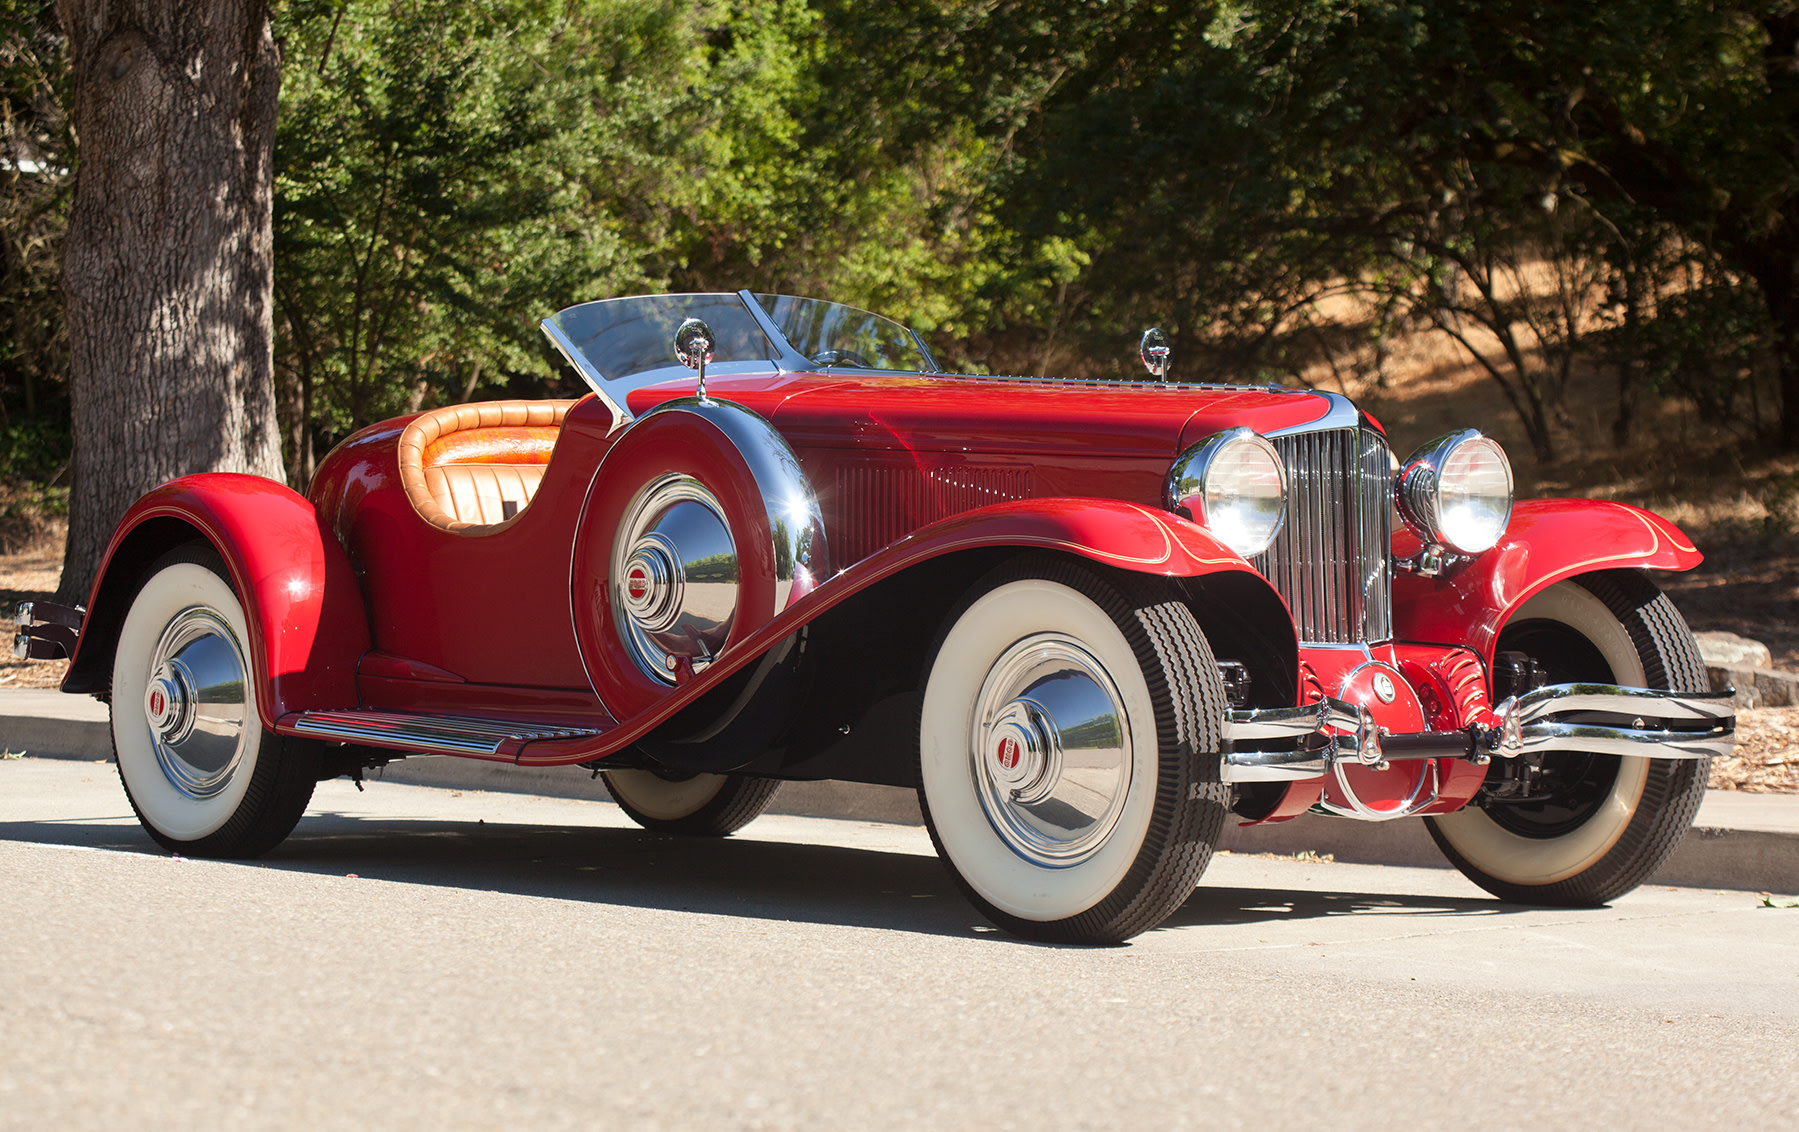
[[29, 575]]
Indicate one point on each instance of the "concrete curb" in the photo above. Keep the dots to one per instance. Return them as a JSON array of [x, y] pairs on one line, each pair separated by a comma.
[[1755, 687], [1745, 842]]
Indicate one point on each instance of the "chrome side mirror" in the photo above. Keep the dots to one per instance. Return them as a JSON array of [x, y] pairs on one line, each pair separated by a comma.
[[1153, 350], [693, 346]]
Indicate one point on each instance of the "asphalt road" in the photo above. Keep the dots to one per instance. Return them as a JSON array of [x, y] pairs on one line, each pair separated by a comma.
[[427, 958]]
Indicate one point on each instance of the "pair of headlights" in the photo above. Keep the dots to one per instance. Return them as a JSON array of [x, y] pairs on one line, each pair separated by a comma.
[[1455, 492]]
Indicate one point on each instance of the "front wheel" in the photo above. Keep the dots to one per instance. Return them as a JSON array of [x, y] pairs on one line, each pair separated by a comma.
[[696, 805], [203, 775], [1068, 751], [1593, 826]]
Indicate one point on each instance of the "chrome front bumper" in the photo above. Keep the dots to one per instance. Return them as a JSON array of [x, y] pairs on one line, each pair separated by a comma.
[[46, 631], [1285, 744]]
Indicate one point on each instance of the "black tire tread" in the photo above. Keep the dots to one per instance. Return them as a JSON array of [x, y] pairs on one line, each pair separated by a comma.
[[1191, 800], [1675, 787]]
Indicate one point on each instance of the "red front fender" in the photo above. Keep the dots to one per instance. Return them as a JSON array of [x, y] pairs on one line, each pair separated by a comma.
[[1548, 540], [1126, 535], [304, 610]]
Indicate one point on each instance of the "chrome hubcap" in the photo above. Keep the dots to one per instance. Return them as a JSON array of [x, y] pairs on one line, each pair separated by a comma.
[[1051, 751], [674, 571], [196, 703], [652, 591]]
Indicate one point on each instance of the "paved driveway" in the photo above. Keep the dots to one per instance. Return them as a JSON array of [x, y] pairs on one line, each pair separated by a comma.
[[427, 958]]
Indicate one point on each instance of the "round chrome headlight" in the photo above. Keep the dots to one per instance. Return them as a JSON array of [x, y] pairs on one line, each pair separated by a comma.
[[1456, 492], [1233, 483]]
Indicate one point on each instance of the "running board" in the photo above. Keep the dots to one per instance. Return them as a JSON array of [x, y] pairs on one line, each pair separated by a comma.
[[432, 734]]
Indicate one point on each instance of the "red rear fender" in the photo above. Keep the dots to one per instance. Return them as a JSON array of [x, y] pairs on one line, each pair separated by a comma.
[[1549, 540], [305, 613]]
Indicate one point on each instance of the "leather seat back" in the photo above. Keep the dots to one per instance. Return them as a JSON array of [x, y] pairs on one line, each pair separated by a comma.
[[478, 465]]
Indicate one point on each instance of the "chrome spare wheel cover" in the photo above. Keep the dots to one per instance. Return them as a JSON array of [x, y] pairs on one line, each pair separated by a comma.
[[1051, 750], [197, 703], [674, 577]]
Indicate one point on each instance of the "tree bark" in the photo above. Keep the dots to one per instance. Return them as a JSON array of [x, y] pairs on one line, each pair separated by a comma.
[[167, 265]]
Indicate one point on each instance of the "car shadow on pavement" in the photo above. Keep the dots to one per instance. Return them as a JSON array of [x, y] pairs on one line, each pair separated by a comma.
[[740, 877], [598, 865], [1218, 907]]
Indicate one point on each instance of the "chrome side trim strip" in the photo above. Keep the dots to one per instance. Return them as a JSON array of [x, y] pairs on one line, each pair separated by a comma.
[[453, 734]]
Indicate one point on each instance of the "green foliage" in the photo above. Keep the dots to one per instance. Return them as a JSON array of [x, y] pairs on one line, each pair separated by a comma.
[[33, 449], [1568, 192], [36, 152], [439, 173], [1492, 169], [447, 175]]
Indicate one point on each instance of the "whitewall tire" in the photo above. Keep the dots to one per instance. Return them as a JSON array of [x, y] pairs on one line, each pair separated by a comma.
[[201, 772], [1068, 751], [1607, 822], [699, 805]]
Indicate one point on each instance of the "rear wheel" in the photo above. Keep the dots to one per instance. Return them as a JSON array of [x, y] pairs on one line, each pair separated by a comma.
[[697, 805], [1069, 739], [1594, 826], [202, 774]]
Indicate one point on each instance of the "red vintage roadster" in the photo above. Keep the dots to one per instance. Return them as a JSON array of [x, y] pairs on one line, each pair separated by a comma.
[[1089, 622]]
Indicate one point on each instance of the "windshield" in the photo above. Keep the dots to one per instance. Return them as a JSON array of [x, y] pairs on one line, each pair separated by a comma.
[[831, 334], [622, 337], [621, 345]]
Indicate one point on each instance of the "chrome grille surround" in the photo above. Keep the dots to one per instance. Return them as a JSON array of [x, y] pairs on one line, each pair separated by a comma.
[[1332, 560]]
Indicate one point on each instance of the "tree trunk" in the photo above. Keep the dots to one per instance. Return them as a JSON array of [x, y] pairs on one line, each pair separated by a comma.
[[167, 263]]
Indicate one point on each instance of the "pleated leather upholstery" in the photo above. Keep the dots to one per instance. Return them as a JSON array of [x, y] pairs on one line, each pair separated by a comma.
[[476, 465]]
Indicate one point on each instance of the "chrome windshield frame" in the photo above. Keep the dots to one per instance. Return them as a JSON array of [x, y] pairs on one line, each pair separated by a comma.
[[792, 361]]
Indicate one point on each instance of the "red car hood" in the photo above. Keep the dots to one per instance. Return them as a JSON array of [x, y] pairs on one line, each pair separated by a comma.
[[1001, 415]]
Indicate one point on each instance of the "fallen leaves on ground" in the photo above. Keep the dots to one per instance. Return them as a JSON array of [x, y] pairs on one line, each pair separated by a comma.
[[1766, 759]]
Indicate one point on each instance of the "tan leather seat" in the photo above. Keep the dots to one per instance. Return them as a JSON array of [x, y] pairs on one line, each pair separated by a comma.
[[477, 465]]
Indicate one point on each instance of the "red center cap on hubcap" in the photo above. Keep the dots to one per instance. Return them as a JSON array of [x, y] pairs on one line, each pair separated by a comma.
[[156, 702], [637, 583], [1008, 752]]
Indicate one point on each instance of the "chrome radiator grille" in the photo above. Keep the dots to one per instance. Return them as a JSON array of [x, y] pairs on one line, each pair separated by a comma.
[[1330, 560]]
